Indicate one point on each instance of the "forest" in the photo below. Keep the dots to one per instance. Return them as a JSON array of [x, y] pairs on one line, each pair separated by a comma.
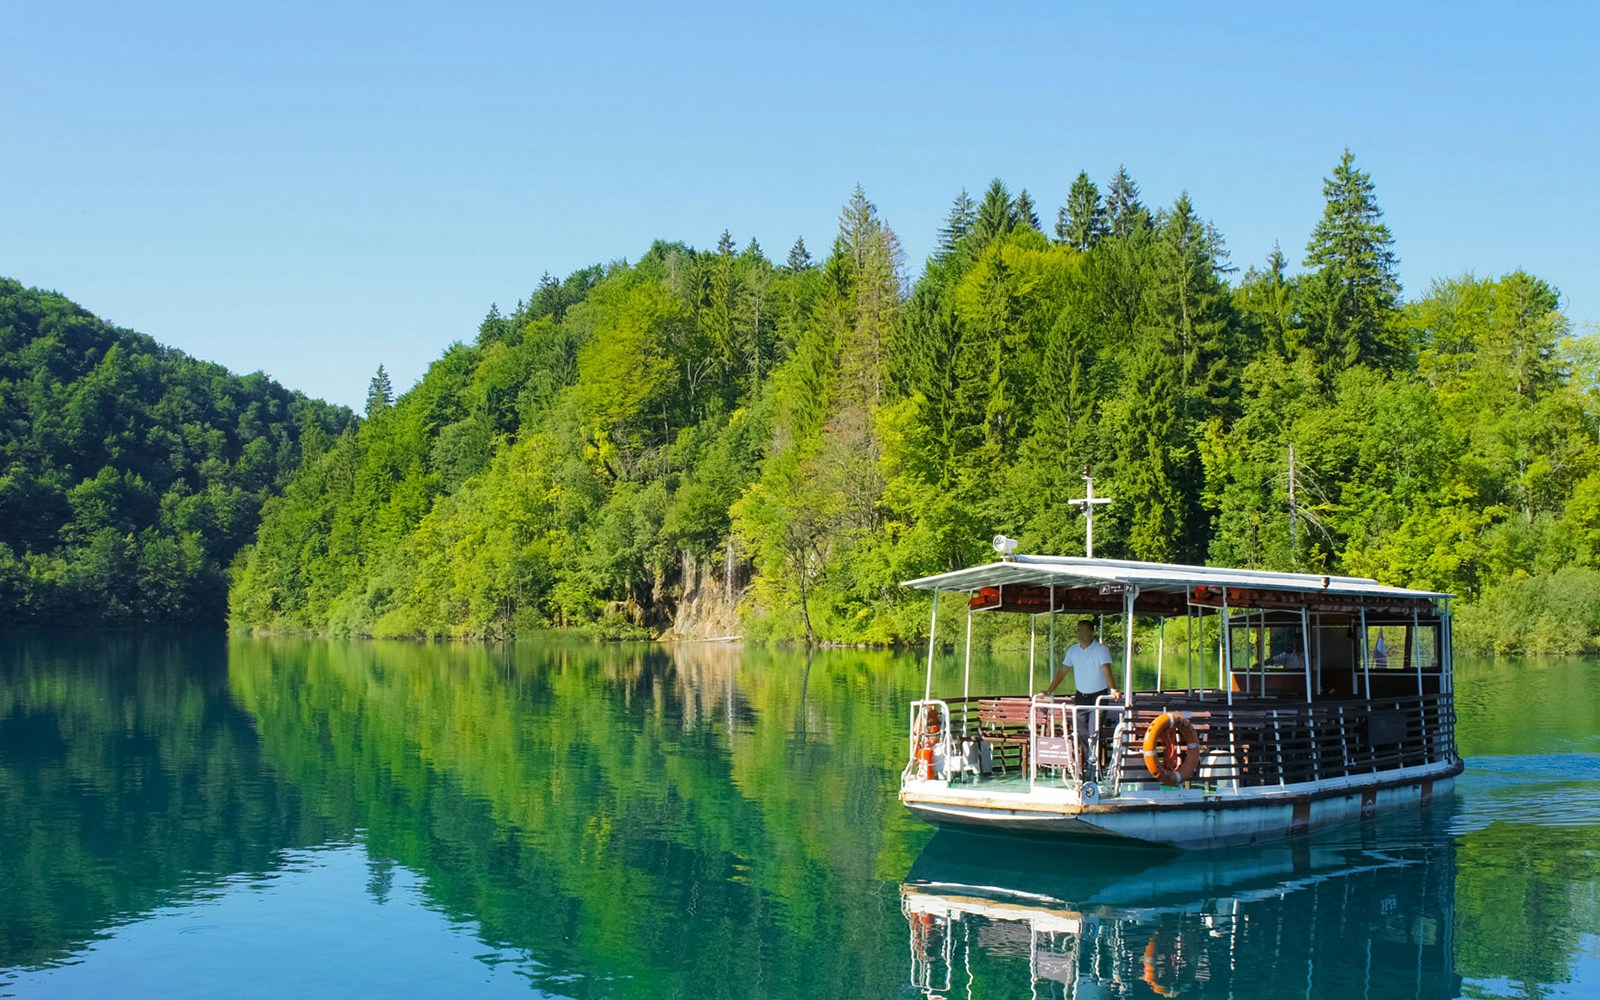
[[718, 442], [130, 473]]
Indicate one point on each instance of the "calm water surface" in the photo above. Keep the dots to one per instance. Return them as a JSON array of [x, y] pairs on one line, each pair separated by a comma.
[[325, 819]]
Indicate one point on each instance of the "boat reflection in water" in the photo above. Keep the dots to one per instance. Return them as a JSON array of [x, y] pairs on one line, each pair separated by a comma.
[[989, 916]]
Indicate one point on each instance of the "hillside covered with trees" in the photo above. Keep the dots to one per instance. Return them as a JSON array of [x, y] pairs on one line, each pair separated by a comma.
[[130, 473], [642, 442]]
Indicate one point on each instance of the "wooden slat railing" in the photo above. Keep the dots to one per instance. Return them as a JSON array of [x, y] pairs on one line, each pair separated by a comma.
[[1258, 741]]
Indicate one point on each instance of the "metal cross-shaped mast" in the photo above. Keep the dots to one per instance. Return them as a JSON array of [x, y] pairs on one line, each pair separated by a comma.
[[1087, 502]]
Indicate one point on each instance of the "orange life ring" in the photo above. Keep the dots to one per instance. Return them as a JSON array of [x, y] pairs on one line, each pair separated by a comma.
[[927, 738], [1164, 963], [925, 751], [1171, 749], [1154, 964]]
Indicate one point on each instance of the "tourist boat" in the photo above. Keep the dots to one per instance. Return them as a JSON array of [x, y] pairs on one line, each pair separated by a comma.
[[1298, 701]]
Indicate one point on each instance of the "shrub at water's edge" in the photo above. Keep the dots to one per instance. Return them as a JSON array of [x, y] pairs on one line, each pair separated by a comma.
[[705, 442], [1555, 612]]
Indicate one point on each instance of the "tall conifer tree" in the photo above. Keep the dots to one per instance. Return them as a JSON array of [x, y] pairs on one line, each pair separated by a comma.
[[996, 214], [799, 256], [1081, 223], [1352, 296], [958, 223], [1265, 299], [380, 393], [1125, 213], [1024, 212]]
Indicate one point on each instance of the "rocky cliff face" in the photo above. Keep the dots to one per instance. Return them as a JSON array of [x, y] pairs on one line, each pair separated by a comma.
[[708, 606]]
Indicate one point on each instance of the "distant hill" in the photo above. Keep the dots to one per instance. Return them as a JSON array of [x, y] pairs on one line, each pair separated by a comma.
[[131, 473]]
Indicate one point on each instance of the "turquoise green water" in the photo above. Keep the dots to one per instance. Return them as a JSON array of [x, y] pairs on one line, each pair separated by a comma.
[[320, 819]]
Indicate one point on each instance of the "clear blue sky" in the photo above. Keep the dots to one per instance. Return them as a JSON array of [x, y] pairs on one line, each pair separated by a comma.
[[311, 188]]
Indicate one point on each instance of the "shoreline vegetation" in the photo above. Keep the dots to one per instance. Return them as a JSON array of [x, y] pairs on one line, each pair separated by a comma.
[[705, 443]]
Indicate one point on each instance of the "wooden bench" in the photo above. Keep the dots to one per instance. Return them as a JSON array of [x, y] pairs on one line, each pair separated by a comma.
[[1003, 721]]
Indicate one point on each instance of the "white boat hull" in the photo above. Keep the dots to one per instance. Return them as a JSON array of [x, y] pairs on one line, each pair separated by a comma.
[[1178, 817]]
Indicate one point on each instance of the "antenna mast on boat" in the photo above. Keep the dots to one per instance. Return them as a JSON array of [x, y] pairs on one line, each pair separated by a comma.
[[1087, 502]]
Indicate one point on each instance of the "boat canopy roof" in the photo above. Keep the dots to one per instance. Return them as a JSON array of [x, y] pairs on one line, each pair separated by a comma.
[[1079, 572]]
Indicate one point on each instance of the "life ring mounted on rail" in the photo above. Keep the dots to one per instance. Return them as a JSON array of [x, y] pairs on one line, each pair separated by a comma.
[[1171, 749]]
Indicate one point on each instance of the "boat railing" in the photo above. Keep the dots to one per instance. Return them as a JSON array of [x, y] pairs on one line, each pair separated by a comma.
[[1257, 741], [1063, 730], [930, 730]]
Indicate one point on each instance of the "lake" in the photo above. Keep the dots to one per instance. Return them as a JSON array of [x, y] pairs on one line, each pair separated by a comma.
[[270, 817]]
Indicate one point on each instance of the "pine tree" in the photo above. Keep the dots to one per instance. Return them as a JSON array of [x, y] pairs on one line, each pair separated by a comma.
[[546, 298], [1265, 300], [1151, 452], [717, 316], [1125, 214], [1074, 380], [380, 394], [996, 214], [1024, 212], [866, 264], [494, 327], [858, 227], [963, 216], [754, 314], [924, 361], [799, 256], [1081, 223], [1191, 306], [1352, 298], [1183, 371]]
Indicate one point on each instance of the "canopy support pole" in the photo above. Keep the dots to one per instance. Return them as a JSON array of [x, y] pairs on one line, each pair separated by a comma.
[[933, 624], [1447, 657], [1191, 622], [1318, 671], [1225, 641], [1415, 645], [966, 679], [1033, 637], [1052, 633], [1366, 662], [1261, 649], [1305, 648], [1127, 659], [1161, 645]]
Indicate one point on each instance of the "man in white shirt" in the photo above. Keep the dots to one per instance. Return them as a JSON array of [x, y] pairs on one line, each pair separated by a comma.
[[1090, 662]]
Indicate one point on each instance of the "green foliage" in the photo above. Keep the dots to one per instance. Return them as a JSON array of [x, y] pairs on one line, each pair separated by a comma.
[[130, 473], [805, 437], [1555, 612]]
